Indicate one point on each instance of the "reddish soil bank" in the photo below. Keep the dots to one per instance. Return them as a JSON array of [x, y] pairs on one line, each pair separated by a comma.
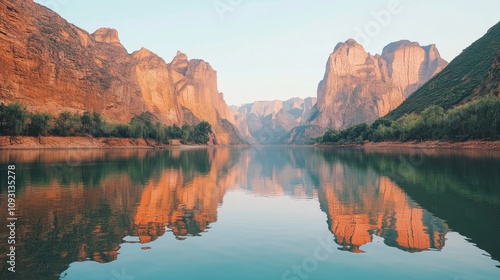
[[8, 143]]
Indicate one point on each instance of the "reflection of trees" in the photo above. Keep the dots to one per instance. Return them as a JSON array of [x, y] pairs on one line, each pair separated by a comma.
[[82, 211]]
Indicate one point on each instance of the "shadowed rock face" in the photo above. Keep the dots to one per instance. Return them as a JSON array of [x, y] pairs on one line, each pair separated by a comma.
[[359, 87], [266, 122], [51, 65]]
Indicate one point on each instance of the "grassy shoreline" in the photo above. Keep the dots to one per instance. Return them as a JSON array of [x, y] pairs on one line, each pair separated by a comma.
[[432, 144]]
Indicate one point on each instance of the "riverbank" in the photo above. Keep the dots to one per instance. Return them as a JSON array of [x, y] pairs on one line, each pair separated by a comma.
[[466, 145], [53, 142]]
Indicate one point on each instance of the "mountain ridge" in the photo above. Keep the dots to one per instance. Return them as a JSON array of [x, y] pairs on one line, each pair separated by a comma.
[[265, 122]]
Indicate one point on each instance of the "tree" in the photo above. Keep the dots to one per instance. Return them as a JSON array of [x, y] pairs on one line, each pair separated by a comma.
[[381, 121], [174, 132], [16, 119], [201, 133], [137, 130], [67, 124], [144, 120], [331, 136], [41, 124], [2, 117], [86, 121], [187, 133], [166, 138], [99, 126], [122, 131], [430, 123], [160, 133]]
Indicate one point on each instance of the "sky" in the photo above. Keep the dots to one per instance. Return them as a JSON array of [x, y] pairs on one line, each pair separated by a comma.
[[278, 49]]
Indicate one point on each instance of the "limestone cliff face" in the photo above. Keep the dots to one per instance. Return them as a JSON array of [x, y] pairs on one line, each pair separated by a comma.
[[265, 122], [52, 65], [360, 87]]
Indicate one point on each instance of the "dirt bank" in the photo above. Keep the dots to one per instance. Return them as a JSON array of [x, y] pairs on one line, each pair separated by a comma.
[[13, 143]]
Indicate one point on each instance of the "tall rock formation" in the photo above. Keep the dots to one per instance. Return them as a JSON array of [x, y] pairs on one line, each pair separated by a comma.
[[359, 87], [51, 65], [266, 122]]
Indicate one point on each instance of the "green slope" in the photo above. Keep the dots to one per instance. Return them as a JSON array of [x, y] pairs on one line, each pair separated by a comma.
[[458, 81]]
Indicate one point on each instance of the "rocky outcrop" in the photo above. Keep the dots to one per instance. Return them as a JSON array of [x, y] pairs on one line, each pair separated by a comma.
[[359, 87], [52, 65], [266, 122]]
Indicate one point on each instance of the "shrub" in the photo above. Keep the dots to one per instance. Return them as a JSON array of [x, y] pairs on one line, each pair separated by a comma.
[[41, 124]]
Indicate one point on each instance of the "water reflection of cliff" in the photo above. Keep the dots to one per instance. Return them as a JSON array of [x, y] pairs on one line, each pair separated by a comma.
[[458, 187], [275, 171], [84, 210], [80, 205], [359, 205], [185, 205]]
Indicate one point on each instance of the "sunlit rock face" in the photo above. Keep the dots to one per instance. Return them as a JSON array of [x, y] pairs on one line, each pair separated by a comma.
[[51, 65], [359, 87]]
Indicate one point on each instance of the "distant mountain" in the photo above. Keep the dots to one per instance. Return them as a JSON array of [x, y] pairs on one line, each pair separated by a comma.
[[265, 122], [51, 65], [475, 72], [359, 87]]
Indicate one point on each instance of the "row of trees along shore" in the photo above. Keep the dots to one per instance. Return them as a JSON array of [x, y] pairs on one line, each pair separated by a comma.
[[15, 120], [479, 119]]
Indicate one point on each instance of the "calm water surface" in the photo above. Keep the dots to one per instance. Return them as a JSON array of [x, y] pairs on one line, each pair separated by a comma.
[[254, 213]]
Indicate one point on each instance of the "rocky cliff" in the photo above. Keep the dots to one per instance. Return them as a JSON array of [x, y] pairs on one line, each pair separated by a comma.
[[360, 87], [52, 65], [265, 122]]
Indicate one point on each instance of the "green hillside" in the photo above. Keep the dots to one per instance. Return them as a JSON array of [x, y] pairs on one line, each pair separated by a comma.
[[458, 82]]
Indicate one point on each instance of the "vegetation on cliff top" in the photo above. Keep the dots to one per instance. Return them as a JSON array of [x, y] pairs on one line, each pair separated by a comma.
[[15, 120]]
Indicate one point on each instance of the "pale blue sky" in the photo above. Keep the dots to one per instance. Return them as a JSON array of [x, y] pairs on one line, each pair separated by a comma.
[[277, 49]]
